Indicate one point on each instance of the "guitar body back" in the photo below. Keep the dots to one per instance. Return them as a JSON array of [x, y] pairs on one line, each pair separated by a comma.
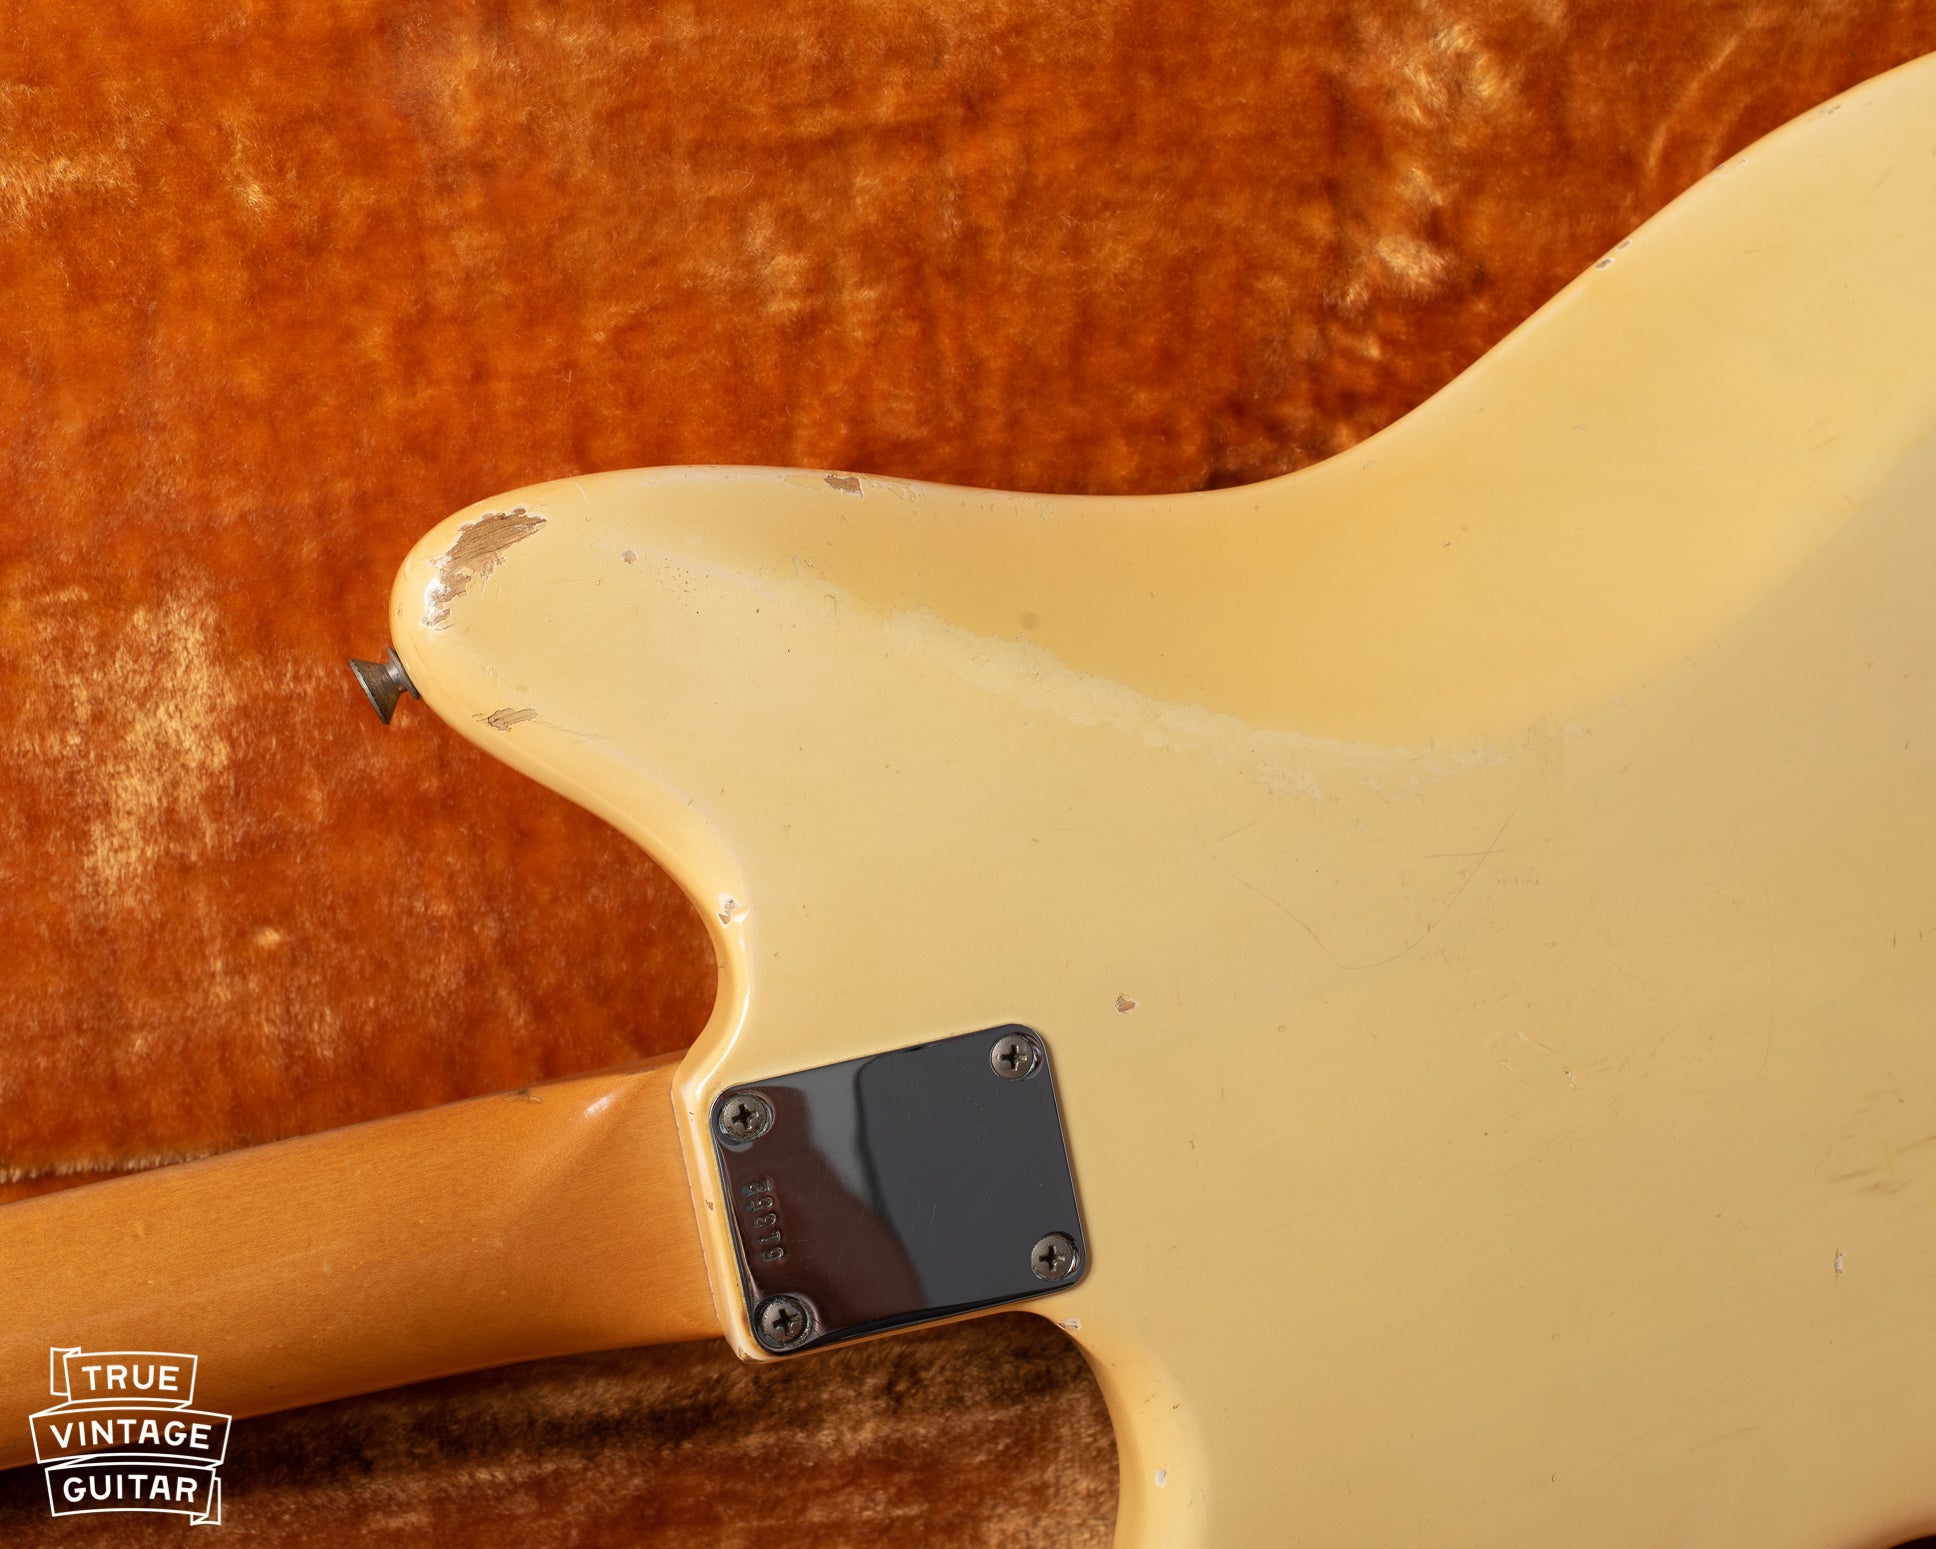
[[1480, 892]]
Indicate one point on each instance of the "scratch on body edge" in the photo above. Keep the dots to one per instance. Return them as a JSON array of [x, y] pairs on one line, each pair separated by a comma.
[[504, 720], [478, 551]]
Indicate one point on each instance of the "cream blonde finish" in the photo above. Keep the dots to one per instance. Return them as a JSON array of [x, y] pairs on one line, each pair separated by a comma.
[[1480, 892]]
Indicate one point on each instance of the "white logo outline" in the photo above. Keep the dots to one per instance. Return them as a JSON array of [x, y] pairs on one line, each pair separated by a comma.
[[174, 1471]]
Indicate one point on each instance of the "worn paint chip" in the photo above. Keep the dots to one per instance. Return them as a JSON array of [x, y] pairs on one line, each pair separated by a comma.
[[478, 551], [504, 720], [844, 482]]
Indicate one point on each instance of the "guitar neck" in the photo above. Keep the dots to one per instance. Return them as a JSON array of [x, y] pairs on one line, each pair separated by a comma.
[[544, 1222]]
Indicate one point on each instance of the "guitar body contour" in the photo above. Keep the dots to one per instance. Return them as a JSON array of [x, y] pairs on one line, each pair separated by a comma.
[[1480, 892]]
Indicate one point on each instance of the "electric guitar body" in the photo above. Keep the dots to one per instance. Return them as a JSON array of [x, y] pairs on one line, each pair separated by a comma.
[[1477, 898]]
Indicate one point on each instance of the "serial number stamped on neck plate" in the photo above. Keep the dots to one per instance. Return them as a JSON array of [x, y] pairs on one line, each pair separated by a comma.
[[899, 1188]]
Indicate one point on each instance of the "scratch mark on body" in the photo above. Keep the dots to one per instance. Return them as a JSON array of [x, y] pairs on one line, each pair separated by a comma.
[[1485, 855], [1272, 899], [478, 551]]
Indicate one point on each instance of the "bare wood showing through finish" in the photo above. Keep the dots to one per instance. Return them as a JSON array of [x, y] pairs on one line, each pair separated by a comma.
[[551, 1220]]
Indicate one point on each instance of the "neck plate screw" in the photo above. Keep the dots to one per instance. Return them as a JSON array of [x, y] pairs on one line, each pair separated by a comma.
[[1015, 1056], [744, 1117], [783, 1322], [1054, 1257]]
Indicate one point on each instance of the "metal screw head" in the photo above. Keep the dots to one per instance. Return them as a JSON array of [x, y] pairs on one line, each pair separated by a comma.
[[1016, 1056], [1054, 1257], [744, 1116], [783, 1322]]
